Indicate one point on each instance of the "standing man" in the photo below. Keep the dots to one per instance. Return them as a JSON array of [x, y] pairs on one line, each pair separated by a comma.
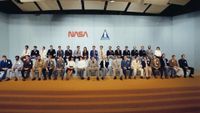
[[68, 53], [60, 52], [26, 51], [77, 53], [126, 52], [94, 53], [149, 52], [142, 52], [52, 52], [184, 65], [110, 53], [43, 53], [35, 53], [5, 65], [164, 66], [134, 52], [118, 52]]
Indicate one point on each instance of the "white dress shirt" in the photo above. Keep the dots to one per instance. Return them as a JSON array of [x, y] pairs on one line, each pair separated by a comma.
[[81, 64], [158, 53], [26, 52]]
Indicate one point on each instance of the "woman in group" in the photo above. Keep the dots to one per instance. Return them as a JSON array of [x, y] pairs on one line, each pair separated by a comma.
[[146, 65], [85, 53], [70, 68]]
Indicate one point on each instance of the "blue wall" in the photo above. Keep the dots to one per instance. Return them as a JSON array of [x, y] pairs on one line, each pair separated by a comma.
[[4, 41], [175, 35]]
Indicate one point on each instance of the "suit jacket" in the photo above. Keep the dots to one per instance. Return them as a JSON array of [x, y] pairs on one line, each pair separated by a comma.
[[68, 53], [126, 53], [102, 64], [126, 64], [49, 64], [85, 54], [5, 64], [145, 63], [162, 62], [28, 64], [52, 53], [35, 53], [173, 63], [94, 54], [118, 52], [134, 53], [142, 52], [108, 53], [183, 63], [60, 53]]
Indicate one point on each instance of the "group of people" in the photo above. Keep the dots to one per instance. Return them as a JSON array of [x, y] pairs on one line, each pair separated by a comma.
[[126, 64]]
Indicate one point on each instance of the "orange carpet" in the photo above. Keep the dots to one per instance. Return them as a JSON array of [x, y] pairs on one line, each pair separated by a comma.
[[109, 96]]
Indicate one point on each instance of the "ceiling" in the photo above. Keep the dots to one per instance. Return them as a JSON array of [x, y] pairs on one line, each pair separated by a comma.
[[118, 7]]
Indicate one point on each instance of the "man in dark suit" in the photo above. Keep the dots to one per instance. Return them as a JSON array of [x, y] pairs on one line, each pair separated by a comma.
[[27, 66], [110, 53], [126, 52], [5, 64], [118, 52], [68, 53], [134, 52], [51, 52], [184, 65], [104, 67], [35, 53], [142, 52], [60, 52], [164, 66], [94, 53]]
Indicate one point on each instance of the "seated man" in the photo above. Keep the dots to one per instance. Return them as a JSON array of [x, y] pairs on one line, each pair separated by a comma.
[[116, 67], [38, 67], [81, 66], [137, 66], [174, 67], [104, 67], [155, 64], [184, 65], [49, 67], [164, 66], [70, 68], [17, 67], [27, 66], [126, 66], [92, 67], [5, 65], [60, 68], [146, 65]]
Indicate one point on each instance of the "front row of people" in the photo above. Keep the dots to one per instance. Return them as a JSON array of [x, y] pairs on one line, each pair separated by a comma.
[[125, 68]]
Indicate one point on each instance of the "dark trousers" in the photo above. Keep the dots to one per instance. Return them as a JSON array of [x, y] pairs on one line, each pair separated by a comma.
[[164, 71], [172, 72], [125, 72], [156, 72], [4, 74], [189, 68], [49, 73], [27, 73]]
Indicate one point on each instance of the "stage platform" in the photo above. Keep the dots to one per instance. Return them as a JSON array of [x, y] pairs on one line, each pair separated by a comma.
[[180, 95]]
